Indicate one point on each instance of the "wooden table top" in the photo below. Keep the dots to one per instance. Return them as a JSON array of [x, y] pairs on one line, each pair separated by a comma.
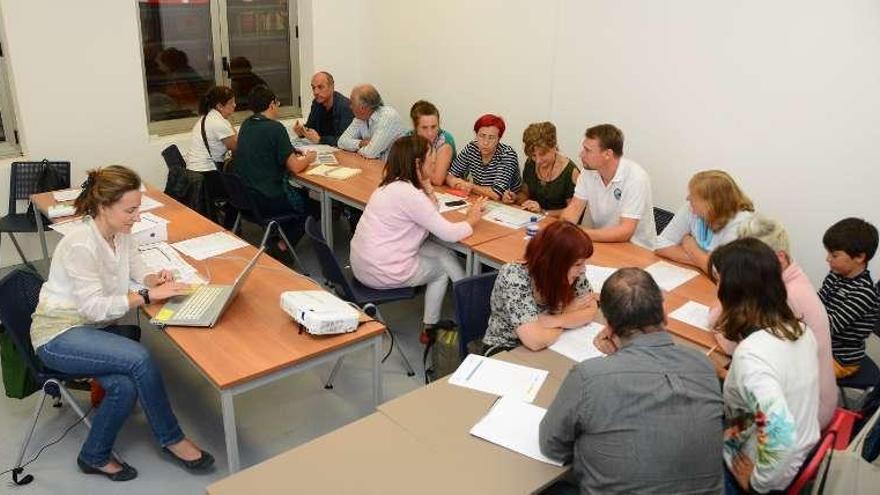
[[254, 337]]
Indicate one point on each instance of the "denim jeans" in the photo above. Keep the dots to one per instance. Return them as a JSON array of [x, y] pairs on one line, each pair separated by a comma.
[[126, 371]]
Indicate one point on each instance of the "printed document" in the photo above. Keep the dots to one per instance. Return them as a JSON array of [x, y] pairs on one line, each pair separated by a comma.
[[669, 276], [514, 424], [499, 377], [597, 275], [208, 246], [694, 314], [577, 343]]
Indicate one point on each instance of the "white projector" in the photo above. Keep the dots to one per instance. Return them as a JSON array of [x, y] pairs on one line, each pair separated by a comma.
[[320, 312]]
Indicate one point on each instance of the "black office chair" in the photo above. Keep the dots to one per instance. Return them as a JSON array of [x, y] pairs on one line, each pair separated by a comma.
[[241, 197], [177, 183], [472, 309], [347, 287], [19, 294], [24, 180], [662, 218], [866, 379]]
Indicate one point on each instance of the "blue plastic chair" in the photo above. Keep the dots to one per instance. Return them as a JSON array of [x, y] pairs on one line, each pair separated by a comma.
[[472, 309], [19, 294], [346, 286]]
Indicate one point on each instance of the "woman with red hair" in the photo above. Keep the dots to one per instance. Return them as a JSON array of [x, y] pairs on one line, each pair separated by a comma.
[[486, 166], [534, 301]]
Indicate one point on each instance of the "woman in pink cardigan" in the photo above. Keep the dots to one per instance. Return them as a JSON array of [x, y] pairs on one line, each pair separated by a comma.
[[804, 302], [390, 248]]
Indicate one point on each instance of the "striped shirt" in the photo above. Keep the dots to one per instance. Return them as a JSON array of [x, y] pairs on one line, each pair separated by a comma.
[[382, 129], [501, 173], [853, 306]]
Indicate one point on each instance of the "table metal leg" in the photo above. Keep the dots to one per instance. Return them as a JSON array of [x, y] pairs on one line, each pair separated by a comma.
[[327, 218], [478, 265], [377, 371], [469, 262], [38, 217], [227, 401]]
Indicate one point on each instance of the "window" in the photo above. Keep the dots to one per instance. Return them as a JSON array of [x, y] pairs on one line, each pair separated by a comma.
[[8, 133], [191, 45]]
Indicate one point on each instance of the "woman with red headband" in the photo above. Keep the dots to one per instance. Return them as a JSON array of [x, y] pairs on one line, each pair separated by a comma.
[[486, 166]]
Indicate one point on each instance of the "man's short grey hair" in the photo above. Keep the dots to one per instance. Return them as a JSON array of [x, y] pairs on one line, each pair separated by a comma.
[[767, 230], [328, 75], [632, 302], [368, 96]]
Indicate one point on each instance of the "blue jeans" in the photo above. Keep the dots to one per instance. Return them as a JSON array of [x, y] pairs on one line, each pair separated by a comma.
[[126, 371]]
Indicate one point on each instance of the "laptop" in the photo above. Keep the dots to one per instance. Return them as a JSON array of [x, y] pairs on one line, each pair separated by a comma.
[[205, 305]]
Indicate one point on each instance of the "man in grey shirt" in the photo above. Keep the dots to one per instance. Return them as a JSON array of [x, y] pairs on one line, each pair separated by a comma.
[[647, 417]]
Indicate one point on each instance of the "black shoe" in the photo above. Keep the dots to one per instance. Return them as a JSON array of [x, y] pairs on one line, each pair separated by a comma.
[[127, 473], [201, 464]]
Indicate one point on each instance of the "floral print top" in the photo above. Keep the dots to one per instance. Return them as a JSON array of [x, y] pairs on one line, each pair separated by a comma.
[[513, 303], [771, 401]]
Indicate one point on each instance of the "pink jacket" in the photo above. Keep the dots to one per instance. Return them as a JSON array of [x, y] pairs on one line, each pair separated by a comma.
[[395, 223], [807, 307]]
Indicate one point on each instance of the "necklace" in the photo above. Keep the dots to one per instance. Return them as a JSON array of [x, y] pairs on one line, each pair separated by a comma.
[[547, 176]]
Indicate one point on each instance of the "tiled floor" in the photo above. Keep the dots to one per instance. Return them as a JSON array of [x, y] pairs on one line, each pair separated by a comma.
[[270, 420]]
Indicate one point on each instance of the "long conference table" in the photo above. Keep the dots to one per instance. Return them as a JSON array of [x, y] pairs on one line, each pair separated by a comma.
[[420, 442], [255, 343]]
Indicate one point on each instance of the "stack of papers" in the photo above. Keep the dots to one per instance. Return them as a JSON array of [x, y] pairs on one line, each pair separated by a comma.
[[148, 221], [694, 314], [669, 276], [508, 216], [514, 425], [61, 210], [577, 343], [161, 256], [332, 172], [304, 146], [597, 275], [499, 377], [207, 246], [444, 200], [66, 194], [148, 203]]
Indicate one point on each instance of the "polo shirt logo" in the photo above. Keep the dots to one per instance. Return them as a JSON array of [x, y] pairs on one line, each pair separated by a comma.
[[617, 193]]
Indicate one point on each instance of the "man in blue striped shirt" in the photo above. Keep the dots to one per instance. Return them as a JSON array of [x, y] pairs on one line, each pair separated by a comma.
[[375, 126]]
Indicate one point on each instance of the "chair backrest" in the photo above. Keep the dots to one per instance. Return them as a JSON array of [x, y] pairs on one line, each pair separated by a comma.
[[331, 269], [662, 218], [23, 180], [177, 183], [19, 294], [472, 309], [241, 197], [837, 436]]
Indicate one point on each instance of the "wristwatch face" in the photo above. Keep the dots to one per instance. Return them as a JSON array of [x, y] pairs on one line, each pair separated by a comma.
[[145, 293]]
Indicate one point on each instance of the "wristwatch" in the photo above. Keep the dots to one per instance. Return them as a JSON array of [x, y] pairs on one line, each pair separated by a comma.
[[145, 293]]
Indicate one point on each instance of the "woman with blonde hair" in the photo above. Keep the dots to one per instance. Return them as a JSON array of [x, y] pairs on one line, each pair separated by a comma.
[[74, 327], [715, 208]]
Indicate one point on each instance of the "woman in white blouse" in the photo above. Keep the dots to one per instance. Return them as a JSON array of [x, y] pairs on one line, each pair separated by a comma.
[[211, 138], [771, 394], [74, 331], [715, 207]]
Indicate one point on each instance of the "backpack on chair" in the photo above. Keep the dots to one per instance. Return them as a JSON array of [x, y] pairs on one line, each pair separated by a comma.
[[442, 347]]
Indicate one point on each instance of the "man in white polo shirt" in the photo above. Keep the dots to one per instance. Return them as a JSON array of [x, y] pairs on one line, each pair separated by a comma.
[[617, 189]]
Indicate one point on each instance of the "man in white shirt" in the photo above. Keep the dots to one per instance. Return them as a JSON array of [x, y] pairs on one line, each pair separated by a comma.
[[375, 126], [617, 189]]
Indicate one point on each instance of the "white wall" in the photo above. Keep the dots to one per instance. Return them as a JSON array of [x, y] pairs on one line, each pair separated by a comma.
[[781, 94]]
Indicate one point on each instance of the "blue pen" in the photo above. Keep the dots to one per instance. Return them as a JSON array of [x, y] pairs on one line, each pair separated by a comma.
[[474, 370]]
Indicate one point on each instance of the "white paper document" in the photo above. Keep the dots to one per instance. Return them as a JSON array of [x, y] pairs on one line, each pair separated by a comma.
[[514, 425], [208, 246], [66, 194], [444, 200], [508, 216], [317, 148], [597, 275], [148, 221], [669, 276], [499, 377], [161, 256], [694, 314], [325, 159], [577, 343], [148, 203]]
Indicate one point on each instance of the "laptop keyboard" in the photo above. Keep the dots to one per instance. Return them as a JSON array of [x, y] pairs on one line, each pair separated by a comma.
[[198, 303]]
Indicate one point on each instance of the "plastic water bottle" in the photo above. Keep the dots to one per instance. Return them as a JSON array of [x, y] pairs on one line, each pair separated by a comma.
[[532, 227]]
